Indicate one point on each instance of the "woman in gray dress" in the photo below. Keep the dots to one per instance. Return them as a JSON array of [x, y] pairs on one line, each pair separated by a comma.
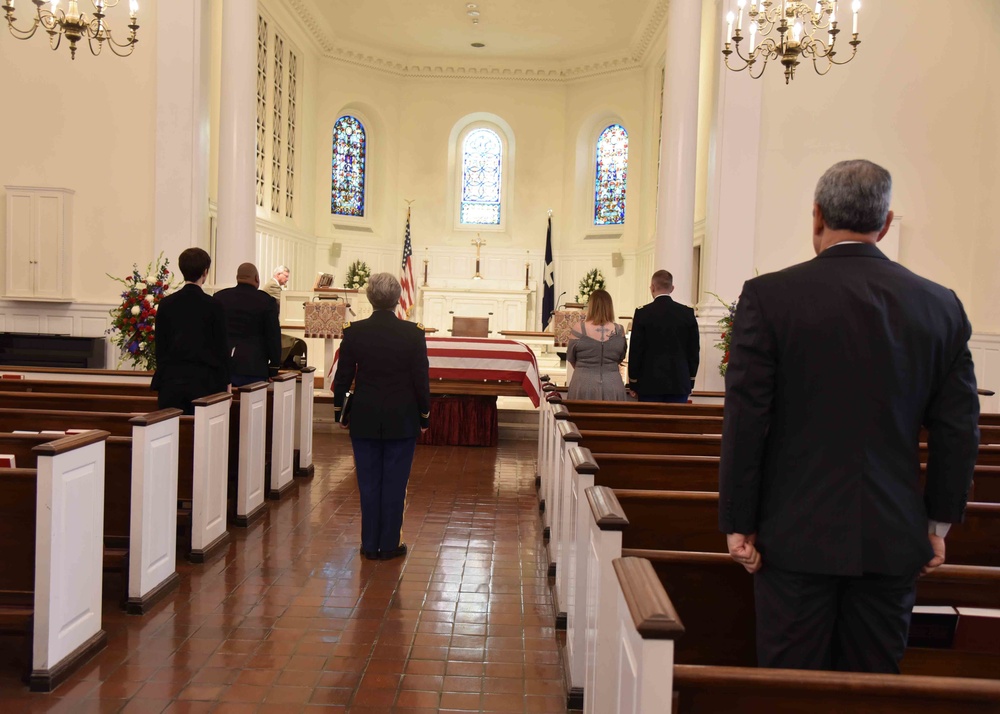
[[596, 350]]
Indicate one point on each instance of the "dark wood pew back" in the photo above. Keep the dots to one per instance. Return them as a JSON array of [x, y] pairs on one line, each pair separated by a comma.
[[701, 473], [635, 442], [18, 495], [655, 423], [688, 521], [75, 387], [117, 424], [78, 402], [588, 406]]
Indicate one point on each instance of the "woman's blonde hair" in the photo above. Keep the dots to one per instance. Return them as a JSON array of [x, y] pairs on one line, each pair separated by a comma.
[[600, 309]]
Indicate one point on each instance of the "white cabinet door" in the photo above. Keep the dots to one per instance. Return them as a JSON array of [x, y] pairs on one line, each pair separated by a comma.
[[19, 248], [48, 268]]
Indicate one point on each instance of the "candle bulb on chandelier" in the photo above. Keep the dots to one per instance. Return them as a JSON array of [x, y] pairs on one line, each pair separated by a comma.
[[797, 32], [753, 36], [53, 6], [856, 7], [133, 8], [833, 13], [729, 18], [739, 22]]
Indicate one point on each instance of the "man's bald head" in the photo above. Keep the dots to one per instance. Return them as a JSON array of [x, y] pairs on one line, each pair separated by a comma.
[[247, 273]]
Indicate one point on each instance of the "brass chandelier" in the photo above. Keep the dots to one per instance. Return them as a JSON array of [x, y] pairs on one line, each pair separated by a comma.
[[797, 26], [75, 26]]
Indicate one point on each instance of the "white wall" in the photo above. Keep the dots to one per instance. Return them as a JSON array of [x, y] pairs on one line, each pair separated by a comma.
[[917, 99], [85, 125]]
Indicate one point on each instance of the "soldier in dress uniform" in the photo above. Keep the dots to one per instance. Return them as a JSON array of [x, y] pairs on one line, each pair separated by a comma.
[[386, 359], [665, 345]]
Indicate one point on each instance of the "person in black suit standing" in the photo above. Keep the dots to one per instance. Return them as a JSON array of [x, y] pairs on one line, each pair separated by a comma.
[[835, 366], [386, 359], [665, 347], [252, 328], [190, 339]]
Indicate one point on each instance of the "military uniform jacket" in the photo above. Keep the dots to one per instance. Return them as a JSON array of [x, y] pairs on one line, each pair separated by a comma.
[[834, 367], [252, 330], [190, 342], [386, 358], [664, 349]]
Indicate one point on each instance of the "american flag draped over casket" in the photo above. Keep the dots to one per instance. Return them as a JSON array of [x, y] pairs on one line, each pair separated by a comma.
[[477, 360]]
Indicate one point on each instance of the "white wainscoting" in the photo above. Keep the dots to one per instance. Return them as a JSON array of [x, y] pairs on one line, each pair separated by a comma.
[[985, 349], [78, 319], [279, 245]]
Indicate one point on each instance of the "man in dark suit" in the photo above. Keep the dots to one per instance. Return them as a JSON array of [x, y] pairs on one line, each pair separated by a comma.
[[252, 328], [190, 339], [386, 359], [834, 367], [665, 347]]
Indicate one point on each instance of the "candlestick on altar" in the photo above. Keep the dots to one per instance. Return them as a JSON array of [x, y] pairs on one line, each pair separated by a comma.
[[425, 272], [527, 274], [479, 243]]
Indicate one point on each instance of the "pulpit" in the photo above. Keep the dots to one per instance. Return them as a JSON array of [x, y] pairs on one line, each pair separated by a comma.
[[324, 319]]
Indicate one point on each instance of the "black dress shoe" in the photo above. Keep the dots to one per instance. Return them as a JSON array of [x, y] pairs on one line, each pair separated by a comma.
[[369, 554], [396, 553]]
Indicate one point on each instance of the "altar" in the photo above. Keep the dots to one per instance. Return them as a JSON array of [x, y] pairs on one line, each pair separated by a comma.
[[507, 304]]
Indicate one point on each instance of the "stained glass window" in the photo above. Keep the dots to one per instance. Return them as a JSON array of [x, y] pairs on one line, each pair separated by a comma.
[[482, 168], [347, 196], [612, 170]]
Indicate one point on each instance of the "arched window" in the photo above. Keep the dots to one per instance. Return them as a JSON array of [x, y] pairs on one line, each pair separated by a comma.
[[482, 177], [612, 171], [347, 194]]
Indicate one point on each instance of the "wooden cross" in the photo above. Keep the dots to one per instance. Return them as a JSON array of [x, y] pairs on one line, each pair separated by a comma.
[[479, 243]]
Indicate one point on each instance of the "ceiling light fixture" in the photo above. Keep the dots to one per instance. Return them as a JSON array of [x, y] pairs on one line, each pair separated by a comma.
[[473, 13], [478, 45]]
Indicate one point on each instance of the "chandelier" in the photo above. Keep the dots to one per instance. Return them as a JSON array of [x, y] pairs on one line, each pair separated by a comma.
[[797, 26], [75, 25]]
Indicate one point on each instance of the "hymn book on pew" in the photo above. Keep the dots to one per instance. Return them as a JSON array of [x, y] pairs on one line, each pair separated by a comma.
[[7, 461]]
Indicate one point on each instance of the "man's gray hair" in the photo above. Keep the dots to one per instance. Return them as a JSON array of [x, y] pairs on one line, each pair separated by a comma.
[[383, 291], [854, 196], [281, 269]]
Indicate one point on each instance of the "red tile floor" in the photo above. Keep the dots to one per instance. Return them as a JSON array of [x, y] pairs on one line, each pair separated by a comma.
[[292, 619]]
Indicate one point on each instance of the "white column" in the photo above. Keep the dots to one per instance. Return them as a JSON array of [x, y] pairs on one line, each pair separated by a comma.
[[237, 140], [180, 211], [728, 250], [728, 253], [679, 147]]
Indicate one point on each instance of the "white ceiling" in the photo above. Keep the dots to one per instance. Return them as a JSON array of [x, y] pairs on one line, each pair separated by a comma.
[[521, 30]]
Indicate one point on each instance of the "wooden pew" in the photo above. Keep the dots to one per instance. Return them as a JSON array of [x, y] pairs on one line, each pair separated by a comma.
[[51, 538], [247, 449], [279, 454], [645, 674], [202, 465], [305, 389], [139, 521]]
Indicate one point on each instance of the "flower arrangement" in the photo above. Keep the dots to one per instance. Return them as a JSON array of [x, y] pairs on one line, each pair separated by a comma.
[[726, 323], [591, 281], [133, 322], [357, 275]]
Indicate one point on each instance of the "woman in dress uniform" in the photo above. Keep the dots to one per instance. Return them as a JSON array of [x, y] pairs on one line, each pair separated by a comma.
[[386, 359]]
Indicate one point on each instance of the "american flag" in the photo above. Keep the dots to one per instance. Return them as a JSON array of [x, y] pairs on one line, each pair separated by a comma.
[[408, 297]]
